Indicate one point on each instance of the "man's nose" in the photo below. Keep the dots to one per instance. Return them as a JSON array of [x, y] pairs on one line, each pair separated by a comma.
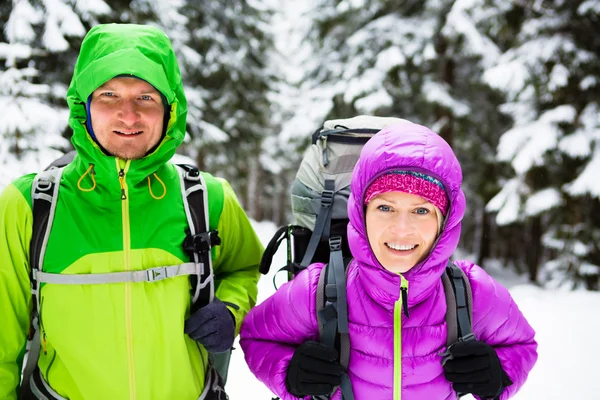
[[129, 113]]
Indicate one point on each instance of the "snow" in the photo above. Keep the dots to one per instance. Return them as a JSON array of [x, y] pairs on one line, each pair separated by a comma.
[[507, 202], [10, 52], [19, 27], [542, 201], [577, 144], [587, 181], [589, 269], [53, 39], [94, 7], [588, 82], [559, 77], [589, 6], [566, 325], [459, 22], [525, 145], [438, 93]]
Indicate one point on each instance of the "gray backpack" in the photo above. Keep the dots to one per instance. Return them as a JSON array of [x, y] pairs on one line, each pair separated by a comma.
[[319, 203]]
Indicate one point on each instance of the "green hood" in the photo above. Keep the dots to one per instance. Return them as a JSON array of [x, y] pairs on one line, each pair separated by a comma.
[[126, 49]]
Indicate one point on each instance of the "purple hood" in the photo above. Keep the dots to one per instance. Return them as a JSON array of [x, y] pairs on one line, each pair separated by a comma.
[[412, 147]]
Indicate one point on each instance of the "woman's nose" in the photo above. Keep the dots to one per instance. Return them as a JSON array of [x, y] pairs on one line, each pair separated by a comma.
[[402, 223]]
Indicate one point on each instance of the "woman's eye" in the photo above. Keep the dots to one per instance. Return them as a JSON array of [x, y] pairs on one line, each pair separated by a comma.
[[422, 211], [383, 207]]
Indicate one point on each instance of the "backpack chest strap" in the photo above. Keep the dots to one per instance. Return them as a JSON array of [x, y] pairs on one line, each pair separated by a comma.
[[148, 275]]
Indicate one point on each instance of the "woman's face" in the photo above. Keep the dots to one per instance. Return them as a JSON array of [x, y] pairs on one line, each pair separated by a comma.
[[401, 228]]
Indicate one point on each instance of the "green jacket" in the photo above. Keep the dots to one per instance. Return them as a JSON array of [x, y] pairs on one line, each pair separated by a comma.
[[122, 340]]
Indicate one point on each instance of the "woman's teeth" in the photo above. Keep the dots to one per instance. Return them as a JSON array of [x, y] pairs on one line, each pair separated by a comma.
[[403, 247]]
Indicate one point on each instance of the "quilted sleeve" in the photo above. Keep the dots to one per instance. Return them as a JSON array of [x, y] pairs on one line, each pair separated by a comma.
[[273, 329], [498, 321]]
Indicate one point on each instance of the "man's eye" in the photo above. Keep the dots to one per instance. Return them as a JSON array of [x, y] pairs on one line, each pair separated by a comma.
[[146, 97]]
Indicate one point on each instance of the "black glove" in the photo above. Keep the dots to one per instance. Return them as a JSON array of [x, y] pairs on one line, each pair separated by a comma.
[[474, 367], [213, 326], [313, 370]]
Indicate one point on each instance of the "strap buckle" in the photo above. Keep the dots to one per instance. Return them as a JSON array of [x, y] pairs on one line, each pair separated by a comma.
[[193, 175], [201, 242], [156, 274], [327, 198], [335, 243], [190, 172], [468, 337]]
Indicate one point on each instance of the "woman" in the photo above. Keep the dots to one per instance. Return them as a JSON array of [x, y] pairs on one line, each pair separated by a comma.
[[405, 212]]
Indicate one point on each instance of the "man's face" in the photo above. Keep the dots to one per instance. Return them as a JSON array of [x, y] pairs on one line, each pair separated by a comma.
[[127, 117]]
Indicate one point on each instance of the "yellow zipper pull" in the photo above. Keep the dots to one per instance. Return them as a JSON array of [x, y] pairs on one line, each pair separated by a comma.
[[122, 182]]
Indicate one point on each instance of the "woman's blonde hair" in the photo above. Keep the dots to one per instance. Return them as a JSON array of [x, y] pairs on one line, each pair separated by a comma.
[[440, 219]]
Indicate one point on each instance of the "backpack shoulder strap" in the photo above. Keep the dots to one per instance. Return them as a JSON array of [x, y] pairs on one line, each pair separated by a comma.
[[322, 223], [201, 235], [44, 195], [459, 303], [332, 309]]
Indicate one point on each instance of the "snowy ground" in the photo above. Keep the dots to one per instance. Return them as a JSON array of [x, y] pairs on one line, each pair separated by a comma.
[[567, 325]]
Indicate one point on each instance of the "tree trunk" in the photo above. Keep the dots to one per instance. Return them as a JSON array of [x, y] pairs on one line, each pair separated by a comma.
[[278, 200], [447, 75], [252, 200], [534, 248], [484, 238]]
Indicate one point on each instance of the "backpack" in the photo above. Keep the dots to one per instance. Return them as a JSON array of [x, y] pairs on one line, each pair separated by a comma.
[[198, 243], [319, 204]]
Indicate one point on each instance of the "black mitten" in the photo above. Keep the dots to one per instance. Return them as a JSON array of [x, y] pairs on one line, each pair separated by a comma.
[[474, 367], [213, 326], [313, 370]]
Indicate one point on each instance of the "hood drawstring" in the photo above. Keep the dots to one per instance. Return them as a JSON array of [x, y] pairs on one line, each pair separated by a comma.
[[92, 173], [150, 187]]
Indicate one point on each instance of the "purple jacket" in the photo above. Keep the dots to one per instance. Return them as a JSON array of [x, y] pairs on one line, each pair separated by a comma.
[[378, 334]]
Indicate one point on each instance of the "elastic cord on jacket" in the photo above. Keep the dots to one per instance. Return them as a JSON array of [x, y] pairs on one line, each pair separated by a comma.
[[91, 172], [150, 187]]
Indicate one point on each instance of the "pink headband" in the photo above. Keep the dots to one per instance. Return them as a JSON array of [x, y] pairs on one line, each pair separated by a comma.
[[416, 183]]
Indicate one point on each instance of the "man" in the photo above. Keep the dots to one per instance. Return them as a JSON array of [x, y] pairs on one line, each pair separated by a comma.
[[120, 208]]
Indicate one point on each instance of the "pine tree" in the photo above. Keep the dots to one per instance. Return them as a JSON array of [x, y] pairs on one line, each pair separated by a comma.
[[40, 40], [230, 83], [423, 61], [550, 78]]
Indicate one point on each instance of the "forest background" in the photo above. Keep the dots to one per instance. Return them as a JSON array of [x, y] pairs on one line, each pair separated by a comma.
[[512, 85]]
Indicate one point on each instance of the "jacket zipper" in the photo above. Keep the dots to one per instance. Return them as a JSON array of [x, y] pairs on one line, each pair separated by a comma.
[[122, 172], [400, 306]]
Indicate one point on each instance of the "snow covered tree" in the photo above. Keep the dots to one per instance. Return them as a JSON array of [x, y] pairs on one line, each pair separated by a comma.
[[40, 40], [551, 80], [423, 61], [225, 63]]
